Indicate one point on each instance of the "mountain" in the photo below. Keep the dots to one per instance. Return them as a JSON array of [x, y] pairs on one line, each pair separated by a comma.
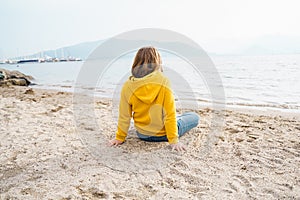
[[266, 45], [272, 45], [81, 50]]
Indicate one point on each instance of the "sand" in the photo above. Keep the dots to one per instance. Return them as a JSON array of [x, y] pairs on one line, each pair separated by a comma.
[[46, 153]]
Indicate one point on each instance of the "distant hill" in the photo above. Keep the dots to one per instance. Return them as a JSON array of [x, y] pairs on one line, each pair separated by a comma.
[[81, 50], [267, 45], [273, 44]]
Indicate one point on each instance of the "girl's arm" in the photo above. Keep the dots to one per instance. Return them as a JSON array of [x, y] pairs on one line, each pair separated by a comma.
[[170, 115], [171, 121], [125, 114]]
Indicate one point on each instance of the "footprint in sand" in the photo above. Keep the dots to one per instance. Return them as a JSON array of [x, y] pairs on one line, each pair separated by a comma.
[[239, 184], [57, 109], [252, 135]]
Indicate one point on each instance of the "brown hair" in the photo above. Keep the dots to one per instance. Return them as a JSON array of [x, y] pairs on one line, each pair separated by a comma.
[[146, 61]]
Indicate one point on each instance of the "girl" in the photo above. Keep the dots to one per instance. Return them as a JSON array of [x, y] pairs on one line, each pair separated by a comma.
[[148, 98]]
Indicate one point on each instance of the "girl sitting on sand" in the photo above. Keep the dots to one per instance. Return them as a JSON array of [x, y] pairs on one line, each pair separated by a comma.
[[147, 97]]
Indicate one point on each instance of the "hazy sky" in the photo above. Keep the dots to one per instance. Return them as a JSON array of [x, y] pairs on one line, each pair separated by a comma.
[[29, 26]]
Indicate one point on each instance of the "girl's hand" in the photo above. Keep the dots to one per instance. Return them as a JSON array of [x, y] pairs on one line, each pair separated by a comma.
[[115, 142], [178, 147]]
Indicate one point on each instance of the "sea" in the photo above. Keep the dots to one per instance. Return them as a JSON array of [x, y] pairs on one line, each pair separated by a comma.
[[257, 82]]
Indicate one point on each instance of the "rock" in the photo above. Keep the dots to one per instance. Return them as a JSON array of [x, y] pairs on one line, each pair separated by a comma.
[[6, 83], [20, 82], [17, 74], [57, 109], [239, 139], [8, 78], [243, 167], [253, 135], [29, 91], [2, 75]]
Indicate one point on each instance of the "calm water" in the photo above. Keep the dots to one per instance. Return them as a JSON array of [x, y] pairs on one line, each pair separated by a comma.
[[259, 81]]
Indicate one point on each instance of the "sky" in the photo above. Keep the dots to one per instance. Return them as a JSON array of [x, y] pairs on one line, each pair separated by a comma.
[[30, 26]]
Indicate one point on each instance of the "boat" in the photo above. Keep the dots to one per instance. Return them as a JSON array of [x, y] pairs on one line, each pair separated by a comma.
[[42, 60], [63, 60], [30, 60]]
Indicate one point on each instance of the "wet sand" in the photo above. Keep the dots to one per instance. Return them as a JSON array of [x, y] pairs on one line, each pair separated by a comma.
[[47, 154]]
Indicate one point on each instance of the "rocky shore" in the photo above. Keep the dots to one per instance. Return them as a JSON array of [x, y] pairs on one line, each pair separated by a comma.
[[8, 78]]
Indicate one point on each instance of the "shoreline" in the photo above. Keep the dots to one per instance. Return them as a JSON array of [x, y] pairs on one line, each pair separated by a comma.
[[202, 104], [255, 155], [233, 100]]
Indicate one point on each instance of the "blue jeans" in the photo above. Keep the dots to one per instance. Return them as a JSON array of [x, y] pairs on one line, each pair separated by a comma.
[[185, 122]]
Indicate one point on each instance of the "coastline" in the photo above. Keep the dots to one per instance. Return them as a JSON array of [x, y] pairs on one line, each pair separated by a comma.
[[202, 103], [256, 155], [245, 84]]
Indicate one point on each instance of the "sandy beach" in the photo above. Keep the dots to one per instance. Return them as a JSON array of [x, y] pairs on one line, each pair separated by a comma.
[[44, 154]]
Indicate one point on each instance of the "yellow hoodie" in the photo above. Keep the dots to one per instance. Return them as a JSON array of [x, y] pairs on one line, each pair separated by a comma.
[[150, 101]]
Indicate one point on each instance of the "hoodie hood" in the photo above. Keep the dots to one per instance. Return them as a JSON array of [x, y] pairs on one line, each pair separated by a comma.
[[147, 88]]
